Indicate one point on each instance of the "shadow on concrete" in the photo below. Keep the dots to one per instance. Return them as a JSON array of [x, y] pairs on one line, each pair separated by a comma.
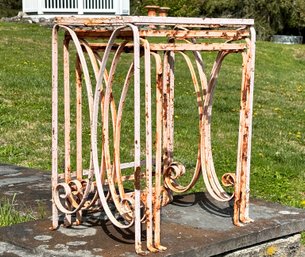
[[206, 203]]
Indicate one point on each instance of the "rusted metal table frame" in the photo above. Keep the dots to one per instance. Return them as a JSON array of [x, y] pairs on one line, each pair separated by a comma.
[[70, 190]]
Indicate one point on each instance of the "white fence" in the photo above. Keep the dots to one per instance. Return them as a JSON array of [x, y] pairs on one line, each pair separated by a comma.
[[117, 7]]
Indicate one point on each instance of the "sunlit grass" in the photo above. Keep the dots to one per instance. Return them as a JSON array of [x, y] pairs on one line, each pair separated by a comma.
[[9, 215]]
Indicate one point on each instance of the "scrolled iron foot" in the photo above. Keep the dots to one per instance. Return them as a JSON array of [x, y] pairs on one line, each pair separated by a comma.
[[239, 224], [152, 249], [53, 228], [242, 221], [246, 220], [161, 248], [141, 252]]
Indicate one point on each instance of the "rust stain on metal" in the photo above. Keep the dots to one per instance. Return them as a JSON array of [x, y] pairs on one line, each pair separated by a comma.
[[101, 185], [137, 179]]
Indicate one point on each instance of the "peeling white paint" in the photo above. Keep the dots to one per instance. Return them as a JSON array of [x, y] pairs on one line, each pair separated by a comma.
[[288, 212], [78, 231], [43, 238], [76, 243]]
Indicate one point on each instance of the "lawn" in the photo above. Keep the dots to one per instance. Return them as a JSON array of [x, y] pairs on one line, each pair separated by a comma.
[[9, 215], [278, 151]]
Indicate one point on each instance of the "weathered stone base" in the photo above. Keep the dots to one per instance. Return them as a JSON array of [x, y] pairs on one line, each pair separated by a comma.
[[192, 226], [284, 247]]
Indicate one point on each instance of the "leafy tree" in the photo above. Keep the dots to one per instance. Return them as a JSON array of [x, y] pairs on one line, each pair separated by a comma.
[[10, 7], [271, 16], [183, 8], [10, 4]]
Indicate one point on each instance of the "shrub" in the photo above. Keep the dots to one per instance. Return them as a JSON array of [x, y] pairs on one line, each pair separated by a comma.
[[10, 8]]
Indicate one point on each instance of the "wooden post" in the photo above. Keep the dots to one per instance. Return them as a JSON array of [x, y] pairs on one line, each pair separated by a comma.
[[163, 11], [80, 7], [152, 10], [40, 7], [125, 7], [121, 7]]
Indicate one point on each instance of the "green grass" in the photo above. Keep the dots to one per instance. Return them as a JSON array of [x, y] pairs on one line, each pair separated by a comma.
[[25, 95], [9, 215], [278, 151]]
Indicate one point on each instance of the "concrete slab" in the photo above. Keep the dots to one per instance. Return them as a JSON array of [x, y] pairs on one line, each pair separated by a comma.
[[30, 187], [193, 225]]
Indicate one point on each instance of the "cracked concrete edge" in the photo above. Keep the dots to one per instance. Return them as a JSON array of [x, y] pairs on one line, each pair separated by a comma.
[[44, 251], [289, 246]]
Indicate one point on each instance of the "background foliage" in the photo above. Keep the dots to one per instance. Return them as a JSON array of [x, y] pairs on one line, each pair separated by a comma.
[[10, 7], [178, 7], [271, 16]]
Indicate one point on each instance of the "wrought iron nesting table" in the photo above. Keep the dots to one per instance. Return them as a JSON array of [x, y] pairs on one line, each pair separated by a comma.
[[101, 185]]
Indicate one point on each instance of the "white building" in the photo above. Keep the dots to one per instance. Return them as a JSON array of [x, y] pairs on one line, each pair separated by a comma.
[[52, 8]]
